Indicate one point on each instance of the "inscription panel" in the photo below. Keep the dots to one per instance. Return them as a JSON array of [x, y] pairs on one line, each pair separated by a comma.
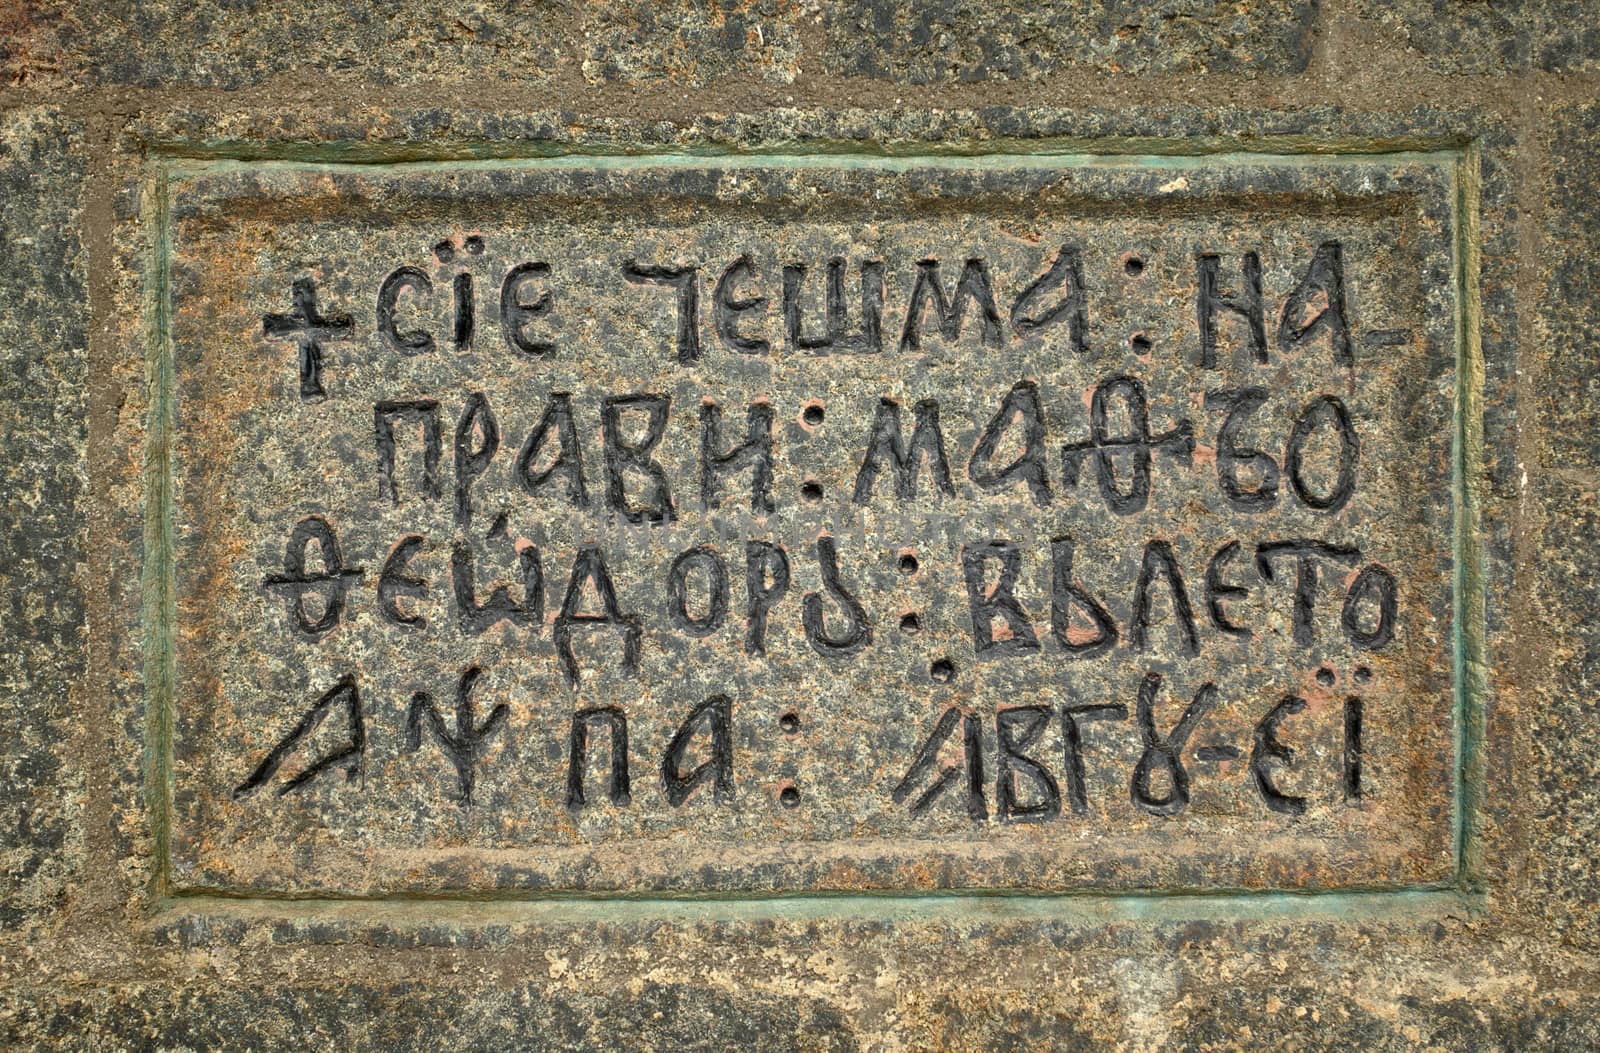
[[745, 525]]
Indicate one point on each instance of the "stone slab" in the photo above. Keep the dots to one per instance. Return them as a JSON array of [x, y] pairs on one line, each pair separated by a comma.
[[103, 955], [358, 464]]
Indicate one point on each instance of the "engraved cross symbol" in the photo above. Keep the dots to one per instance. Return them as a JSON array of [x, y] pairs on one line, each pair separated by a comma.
[[309, 330]]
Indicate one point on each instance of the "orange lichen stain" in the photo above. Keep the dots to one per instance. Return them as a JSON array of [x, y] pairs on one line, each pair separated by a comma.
[[1080, 634], [845, 876], [1311, 309], [810, 404], [918, 875], [1031, 235]]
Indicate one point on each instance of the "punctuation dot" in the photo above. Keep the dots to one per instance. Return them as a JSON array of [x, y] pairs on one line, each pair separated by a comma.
[[1363, 674], [910, 623], [1140, 344], [942, 670], [908, 563], [475, 245], [812, 414], [1134, 266], [789, 722], [444, 251], [789, 797], [1325, 676], [811, 490]]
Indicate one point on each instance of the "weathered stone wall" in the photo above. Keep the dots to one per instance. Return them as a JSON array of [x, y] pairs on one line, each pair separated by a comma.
[[98, 952]]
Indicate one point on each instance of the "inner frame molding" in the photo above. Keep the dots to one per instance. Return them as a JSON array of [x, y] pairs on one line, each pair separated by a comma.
[[230, 387]]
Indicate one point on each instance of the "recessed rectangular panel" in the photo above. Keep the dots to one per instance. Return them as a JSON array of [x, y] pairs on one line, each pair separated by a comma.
[[813, 524]]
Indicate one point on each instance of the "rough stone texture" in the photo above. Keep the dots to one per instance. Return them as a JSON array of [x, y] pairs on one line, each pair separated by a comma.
[[1569, 393], [927, 41], [217, 43], [1567, 867], [95, 951], [692, 41], [1567, 861], [408, 1017], [43, 339], [787, 985], [1464, 36]]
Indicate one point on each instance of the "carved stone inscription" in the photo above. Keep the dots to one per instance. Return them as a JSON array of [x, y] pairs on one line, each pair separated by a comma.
[[810, 524]]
